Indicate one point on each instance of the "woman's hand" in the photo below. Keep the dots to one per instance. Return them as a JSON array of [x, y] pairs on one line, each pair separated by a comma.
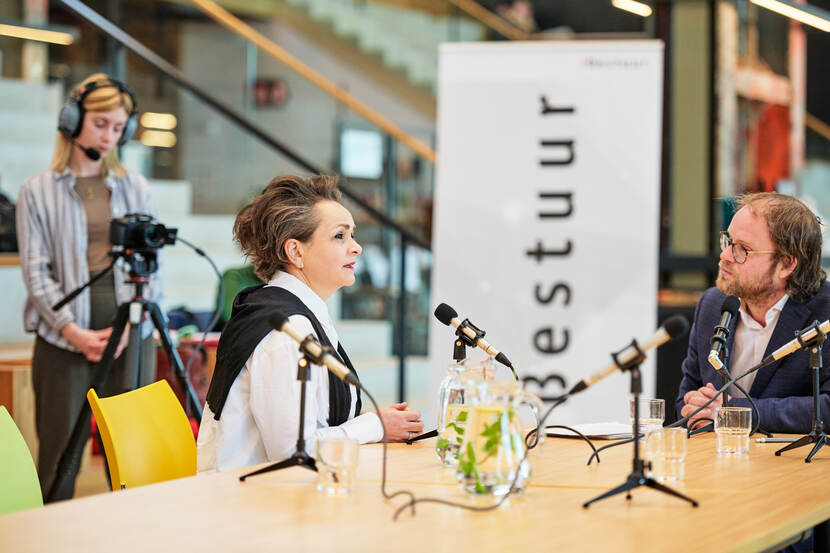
[[401, 423], [90, 342]]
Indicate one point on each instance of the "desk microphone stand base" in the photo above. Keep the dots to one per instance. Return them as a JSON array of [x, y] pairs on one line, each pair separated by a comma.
[[635, 480], [819, 438], [637, 477], [300, 458], [816, 435]]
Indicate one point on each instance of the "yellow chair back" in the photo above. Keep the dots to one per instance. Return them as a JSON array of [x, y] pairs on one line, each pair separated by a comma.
[[146, 435]]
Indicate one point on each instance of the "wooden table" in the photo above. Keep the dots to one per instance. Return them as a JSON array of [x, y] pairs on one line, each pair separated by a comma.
[[747, 503]]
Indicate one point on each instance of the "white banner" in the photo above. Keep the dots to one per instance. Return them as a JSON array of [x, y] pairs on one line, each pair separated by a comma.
[[546, 210]]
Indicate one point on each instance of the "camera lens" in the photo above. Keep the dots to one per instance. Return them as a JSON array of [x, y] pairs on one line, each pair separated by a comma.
[[154, 235]]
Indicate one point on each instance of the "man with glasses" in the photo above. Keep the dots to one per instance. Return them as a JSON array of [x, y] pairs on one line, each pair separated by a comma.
[[770, 259]]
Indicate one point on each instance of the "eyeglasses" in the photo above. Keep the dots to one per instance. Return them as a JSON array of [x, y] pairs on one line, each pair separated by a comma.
[[739, 252]]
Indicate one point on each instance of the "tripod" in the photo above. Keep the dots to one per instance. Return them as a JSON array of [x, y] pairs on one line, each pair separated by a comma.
[[142, 265], [300, 458], [816, 435], [637, 477]]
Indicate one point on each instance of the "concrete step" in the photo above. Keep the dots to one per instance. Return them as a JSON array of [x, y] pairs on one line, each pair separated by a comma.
[[33, 97], [22, 126], [406, 39], [18, 162]]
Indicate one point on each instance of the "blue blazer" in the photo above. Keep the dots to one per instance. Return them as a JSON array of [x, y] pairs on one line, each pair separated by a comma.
[[783, 391]]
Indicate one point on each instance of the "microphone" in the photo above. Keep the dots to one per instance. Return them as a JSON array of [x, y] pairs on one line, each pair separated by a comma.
[[806, 335], [674, 327], [449, 317], [91, 153], [729, 309], [309, 345]]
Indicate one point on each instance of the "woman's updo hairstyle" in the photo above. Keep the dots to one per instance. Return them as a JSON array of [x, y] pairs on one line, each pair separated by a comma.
[[284, 210]]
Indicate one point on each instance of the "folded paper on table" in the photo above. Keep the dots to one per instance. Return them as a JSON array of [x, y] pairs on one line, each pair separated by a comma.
[[594, 431]]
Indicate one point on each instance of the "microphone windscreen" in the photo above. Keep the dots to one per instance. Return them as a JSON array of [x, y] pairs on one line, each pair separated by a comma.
[[730, 304], [92, 154], [277, 319], [445, 313], [676, 326]]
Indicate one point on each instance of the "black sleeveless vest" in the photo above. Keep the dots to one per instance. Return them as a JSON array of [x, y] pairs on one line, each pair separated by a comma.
[[248, 326]]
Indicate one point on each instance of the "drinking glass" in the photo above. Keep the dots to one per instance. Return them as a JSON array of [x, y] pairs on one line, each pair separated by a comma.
[[652, 414], [336, 464], [666, 454], [732, 427]]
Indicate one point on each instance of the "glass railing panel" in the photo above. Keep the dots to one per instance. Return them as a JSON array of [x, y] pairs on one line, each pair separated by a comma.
[[205, 167]]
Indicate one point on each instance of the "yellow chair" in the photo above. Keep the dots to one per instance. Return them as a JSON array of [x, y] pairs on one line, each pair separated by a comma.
[[19, 486], [146, 435]]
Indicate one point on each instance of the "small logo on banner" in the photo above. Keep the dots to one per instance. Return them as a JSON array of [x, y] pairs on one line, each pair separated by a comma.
[[594, 62]]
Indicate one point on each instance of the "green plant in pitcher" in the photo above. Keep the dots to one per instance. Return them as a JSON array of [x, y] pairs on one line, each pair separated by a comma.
[[452, 436], [467, 463], [495, 435]]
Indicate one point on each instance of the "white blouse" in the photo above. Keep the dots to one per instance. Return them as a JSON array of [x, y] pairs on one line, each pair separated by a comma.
[[259, 421]]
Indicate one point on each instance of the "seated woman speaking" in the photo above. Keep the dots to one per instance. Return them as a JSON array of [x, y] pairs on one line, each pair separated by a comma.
[[300, 240]]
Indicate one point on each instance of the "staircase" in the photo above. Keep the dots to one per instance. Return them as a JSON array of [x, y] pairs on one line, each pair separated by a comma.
[[29, 119], [406, 39]]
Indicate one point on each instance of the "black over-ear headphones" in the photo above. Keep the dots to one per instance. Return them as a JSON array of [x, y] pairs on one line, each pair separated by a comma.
[[71, 118]]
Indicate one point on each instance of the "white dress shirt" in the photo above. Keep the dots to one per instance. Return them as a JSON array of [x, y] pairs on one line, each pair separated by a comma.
[[259, 421], [751, 340]]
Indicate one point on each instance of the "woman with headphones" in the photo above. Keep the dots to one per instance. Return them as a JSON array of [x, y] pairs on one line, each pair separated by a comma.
[[63, 220]]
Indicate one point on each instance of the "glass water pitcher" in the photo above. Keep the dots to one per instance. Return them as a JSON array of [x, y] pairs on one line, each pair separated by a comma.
[[493, 448], [452, 406]]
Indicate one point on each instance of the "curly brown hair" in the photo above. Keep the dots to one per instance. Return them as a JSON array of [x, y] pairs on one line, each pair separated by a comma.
[[796, 232], [284, 210]]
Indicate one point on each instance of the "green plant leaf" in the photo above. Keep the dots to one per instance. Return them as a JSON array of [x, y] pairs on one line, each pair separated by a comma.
[[458, 430], [471, 453], [491, 446], [462, 416], [442, 443]]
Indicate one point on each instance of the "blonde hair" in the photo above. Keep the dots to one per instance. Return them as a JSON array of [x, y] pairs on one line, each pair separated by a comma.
[[101, 99]]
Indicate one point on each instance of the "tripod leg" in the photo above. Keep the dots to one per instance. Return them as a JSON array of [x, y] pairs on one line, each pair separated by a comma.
[[822, 439], [651, 483], [629, 485], [70, 461], [175, 360], [804, 440], [134, 361]]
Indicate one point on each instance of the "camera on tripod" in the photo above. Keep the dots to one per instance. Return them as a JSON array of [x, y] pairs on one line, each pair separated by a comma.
[[141, 232], [136, 237]]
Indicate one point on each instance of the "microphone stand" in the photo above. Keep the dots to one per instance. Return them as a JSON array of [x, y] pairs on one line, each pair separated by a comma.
[[459, 354], [637, 477], [300, 458], [725, 377], [816, 435]]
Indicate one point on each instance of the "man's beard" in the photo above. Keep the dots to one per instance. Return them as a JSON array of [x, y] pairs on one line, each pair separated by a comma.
[[752, 289]]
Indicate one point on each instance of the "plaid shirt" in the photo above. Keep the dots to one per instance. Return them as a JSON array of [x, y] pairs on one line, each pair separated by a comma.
[[52, 233]]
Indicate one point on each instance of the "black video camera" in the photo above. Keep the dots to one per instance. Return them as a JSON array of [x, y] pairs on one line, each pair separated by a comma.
[[140, 232]]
